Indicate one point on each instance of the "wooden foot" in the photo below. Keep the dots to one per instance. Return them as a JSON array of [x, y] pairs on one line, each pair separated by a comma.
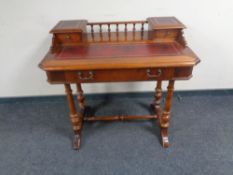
[[164, 136], [165, 116], [77, 141], [75, 117]]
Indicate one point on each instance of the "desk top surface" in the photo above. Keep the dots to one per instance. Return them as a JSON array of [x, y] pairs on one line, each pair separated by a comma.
[[113, 56], [99, 51]]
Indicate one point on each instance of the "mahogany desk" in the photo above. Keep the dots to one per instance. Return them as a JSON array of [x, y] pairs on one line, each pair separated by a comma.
[[89, 52]]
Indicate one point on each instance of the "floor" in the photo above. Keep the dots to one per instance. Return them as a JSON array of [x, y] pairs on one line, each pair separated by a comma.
[[36, 136]]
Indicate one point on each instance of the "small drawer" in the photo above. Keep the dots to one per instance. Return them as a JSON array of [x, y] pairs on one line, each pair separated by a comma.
[[68, 37], [165, 34]]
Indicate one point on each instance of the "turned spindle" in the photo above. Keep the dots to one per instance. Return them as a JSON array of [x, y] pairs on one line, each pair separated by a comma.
[[157, 98], [80, 96], [142, 30], [92, 32], [100, 25], [117, 27], [125, 27]]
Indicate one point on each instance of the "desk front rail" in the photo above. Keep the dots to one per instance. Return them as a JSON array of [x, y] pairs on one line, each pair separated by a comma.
[[119, 75]]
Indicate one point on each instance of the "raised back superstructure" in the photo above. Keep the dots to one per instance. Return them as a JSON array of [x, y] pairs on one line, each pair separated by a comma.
[[154, 29]]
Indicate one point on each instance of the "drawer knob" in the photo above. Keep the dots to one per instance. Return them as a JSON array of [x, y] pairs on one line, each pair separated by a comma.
[[167, 33], [67, 36], [89, 77], [158, 73]]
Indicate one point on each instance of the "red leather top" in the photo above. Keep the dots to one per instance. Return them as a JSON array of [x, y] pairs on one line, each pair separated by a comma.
[[116, 50]]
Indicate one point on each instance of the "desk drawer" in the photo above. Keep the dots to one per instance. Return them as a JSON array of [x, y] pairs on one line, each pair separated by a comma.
[[68, 38], [119, 75]]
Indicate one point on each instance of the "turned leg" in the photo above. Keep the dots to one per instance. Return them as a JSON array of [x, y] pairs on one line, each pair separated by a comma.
[[76, 118], [165, 117], [158, 95], [80, 97]]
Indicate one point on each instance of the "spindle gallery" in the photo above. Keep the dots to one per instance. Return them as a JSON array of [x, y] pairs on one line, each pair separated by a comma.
[[88, 52]]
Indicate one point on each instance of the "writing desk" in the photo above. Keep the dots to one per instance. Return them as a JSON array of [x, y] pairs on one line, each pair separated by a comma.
[[150, 50]]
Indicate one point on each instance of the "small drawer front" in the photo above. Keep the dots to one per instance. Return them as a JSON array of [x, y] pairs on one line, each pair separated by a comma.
[[119, 75], [165, 34], [69, 37]]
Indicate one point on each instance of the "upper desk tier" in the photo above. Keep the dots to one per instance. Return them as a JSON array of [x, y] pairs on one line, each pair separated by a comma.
[[83, 45]]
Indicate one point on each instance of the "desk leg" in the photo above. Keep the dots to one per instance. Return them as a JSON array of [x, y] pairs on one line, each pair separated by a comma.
[[76, 118], [157, 100], [165, 117], [80, 97]]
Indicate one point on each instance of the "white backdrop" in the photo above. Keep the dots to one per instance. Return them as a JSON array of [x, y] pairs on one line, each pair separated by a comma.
[[24, 39]]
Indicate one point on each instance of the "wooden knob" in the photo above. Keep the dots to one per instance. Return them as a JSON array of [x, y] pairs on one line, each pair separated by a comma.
[[67, 36]]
